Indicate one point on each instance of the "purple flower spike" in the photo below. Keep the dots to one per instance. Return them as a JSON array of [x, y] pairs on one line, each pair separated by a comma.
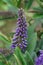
[[21, 32], [39, 60], [41, 51]]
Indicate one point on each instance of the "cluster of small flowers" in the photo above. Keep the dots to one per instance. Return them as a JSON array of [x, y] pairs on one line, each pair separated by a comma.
[[6, 52], [20, 36], [39, 60]]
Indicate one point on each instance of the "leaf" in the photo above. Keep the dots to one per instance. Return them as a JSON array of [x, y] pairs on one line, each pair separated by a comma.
[[3, 60], [31, 29], [4, 38], [18, 3], [33, 55], [39, 16], [27, 4], [32, 38], [12, 2], [29, 58], [41, 43], [7, 18], [12, 8], [1, 63], [11, 34], [39, 13], [38, 9], [18, 61], [42, 36], [40, 2], [32, 42], [20, 56]]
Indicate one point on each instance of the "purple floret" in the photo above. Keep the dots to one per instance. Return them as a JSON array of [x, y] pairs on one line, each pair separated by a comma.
[[39, 60]]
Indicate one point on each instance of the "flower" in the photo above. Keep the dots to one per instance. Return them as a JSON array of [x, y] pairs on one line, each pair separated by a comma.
[[6, 52], [20, 36], [39, 60]]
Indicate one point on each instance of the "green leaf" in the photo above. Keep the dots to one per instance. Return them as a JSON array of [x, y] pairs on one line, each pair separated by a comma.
[[27, 4], [29, 59], [18, 3], [31, 29], [32, 38], [42, 36], [12, 8], [39, 12], [39, 9], [41, 43], [11, 34], [40, 2], [39, 16], [32, 42], [20, 57], [10, 5], [3, 60], [4, 38], [12, 2], [1, 63], [17, 59]]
